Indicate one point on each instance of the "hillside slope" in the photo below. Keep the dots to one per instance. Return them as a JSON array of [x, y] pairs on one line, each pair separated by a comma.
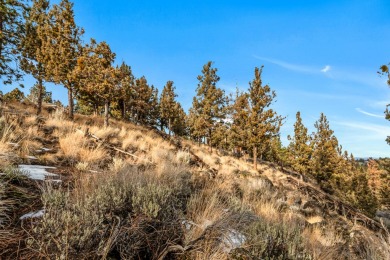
[[125, 192]]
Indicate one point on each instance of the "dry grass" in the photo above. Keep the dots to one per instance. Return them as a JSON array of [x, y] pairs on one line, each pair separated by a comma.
[[76, 148], [160, 203]]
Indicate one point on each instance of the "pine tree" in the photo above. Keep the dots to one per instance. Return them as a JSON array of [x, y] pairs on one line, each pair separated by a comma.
[[144, 105], [61, 48], [299, 147], [168, 106], [179, 124], [264, 123], [239, 132], [32, 60], [39, 92], [98, 77], [325, 157], [11, 30], [14, 95], [195, 132], [126, 89], [209, 105]]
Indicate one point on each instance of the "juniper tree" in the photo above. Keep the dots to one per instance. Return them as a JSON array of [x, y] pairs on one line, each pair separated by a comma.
[[11, 31], [32, 60], [209, 105], [61, 48], [98, 77], [299, 147], [167, 106], [264, 123]]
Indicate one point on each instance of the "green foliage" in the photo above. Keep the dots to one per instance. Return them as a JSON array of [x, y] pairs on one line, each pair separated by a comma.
[[268, 240], [360, 195], [325, 157], [239, 131], [32, 60], [60, 51], [128, 213], [299, 147], [11, 30], [150, 199], [14, 95], [99, 80], [126, 89], [34, 94], [144, 107], [169, 107], [264, 123], [209, 104]]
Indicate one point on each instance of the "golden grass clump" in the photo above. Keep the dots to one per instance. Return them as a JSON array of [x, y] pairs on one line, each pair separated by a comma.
[[76, 148]]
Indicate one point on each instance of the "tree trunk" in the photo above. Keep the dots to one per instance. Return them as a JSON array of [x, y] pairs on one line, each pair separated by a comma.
[[70, 101], [95, 109], [106, 112], [255, 158], [40, 97], [211, 147], [169, 126], [123, 110]]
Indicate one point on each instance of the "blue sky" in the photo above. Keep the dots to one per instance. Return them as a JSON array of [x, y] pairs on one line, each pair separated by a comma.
[[319, 56]]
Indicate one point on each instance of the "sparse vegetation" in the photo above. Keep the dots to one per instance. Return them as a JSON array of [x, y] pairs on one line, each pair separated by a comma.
[[161, 202], [155, 183]]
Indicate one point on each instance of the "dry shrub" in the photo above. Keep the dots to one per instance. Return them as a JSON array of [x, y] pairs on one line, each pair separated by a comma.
[[118, 164], [130, 213]]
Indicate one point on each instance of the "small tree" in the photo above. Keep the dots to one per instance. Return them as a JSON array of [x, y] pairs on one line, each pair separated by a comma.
[[61, 48], [39, 92], [264, 123], [239, 132], [168, 109], [11, 30], [126, 89], [209, 105], [144, 105], [299, 147], [98, 77], [14, 95], [325, 157], [32, 60], [179, 123]]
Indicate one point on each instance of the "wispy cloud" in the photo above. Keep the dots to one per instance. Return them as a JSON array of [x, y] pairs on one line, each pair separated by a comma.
[[380, 131], [368, 113], [290, 66], [326, 69], [365, 77]]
